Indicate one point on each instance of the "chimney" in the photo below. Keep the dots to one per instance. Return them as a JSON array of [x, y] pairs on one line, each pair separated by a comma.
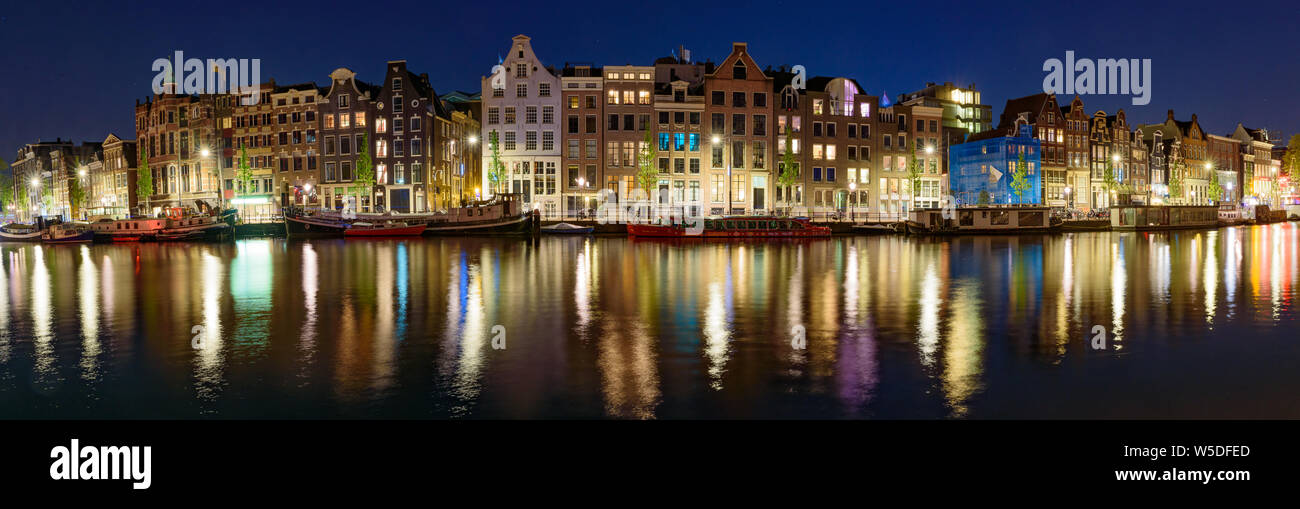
[[1170, 116]]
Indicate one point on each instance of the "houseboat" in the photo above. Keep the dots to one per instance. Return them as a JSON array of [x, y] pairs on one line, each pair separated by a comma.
[[128, 230], [68, 233], [733, 227], [1163, 217], [504, 214], [1232, 215], [983, 220], [183, 224]]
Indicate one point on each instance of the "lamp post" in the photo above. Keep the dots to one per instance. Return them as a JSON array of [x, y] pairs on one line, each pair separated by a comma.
[[929, 151], [1209, 171], [582, 183], [1069, 201], [853, 186]]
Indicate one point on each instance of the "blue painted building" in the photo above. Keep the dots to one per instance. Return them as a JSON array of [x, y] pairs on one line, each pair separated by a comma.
[[987, 161]]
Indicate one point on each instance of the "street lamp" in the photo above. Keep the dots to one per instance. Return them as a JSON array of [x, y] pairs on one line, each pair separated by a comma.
[[854, 199], [1069, 200]]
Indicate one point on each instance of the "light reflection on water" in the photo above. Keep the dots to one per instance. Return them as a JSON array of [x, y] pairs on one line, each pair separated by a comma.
[[1198, 323]]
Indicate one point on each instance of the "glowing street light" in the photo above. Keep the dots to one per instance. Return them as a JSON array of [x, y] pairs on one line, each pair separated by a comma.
[[929, 149], [205, 152], [473, 140]]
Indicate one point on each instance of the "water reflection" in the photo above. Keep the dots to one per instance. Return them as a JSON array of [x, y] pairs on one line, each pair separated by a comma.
[[609, 327], [88, 308]]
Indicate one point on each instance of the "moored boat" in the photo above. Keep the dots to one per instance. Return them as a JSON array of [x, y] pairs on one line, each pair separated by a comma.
[[15, 232], [68, 233], [372, 230], [733, 227], [982, 220], [504, 214], [1163, 217], [128, 230], [182, 224], [304, 226]]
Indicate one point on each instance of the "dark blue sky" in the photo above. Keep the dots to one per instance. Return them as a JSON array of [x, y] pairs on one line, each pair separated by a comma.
[[76, 71]]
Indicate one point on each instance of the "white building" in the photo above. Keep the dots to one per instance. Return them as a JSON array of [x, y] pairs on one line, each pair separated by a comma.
[[521, 105]]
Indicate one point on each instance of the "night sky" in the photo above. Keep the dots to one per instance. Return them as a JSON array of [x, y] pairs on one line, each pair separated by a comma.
[[77, 71]]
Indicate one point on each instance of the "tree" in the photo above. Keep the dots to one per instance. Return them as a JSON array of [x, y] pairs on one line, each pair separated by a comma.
[[789, 170], [1176, 180], [647, 176], [914, 174], [496, 169], [364, 184], [47, 198], [144, 181], [76, 195], [1292, 158], [1020, 179], [1108, 178], [1215, 190], [244, 173], [6, 187], [984, 198]]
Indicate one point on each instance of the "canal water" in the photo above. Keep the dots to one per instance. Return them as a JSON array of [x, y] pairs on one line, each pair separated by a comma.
[[1193, 324]]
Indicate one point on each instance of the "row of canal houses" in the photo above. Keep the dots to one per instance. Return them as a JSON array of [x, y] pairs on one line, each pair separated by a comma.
[[1085, 161], [567, 136]]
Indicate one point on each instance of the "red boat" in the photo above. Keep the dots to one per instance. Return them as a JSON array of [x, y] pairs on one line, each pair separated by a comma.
[[384, 230], [737, 226]]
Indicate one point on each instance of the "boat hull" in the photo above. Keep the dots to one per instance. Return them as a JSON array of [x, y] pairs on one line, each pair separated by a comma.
[[301, 227], [215, 231], [20, 237], [679, 231], [517, 225], [83, 237], [371, 233]]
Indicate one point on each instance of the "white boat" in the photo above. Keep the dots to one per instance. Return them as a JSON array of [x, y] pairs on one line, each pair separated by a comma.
[[20, 233], [567, 229]]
